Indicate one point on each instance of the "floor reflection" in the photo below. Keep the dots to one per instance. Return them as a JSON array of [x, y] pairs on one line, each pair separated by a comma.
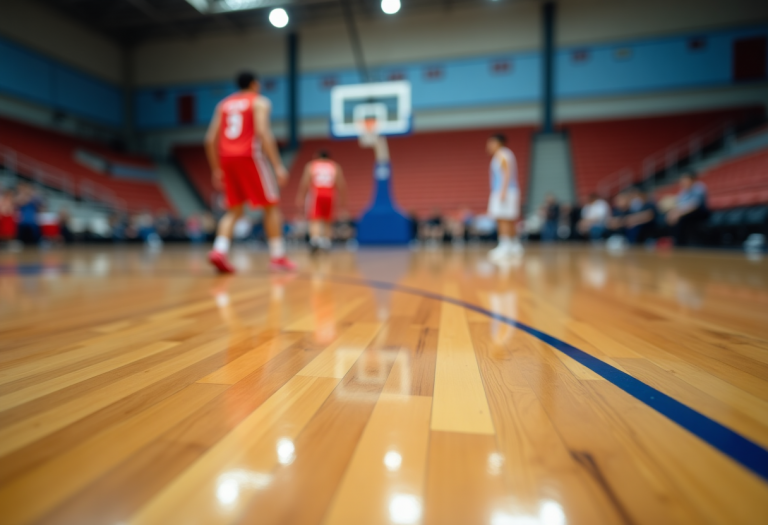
[[232, 483], [405, 509], [549, 513]]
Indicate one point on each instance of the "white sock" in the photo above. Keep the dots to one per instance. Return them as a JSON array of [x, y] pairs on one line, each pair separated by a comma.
[[505, 241], [221, 244], [276, 248]]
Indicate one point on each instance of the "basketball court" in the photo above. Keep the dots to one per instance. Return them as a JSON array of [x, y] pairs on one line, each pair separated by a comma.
[[385, 379], [384, 386]]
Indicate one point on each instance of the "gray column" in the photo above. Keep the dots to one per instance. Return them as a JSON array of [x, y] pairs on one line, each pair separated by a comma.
[[548, 60], [293, 91]]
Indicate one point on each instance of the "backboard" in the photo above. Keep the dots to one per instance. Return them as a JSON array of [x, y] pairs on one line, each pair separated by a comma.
[[389, 103]]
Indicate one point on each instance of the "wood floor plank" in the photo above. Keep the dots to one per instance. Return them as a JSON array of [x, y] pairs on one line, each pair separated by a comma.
[[37, 390], [149, 470], [19, 434], [138, 389], [723, 491], [35, 493], [461, 488], [536, 463], [327, 309], [145, 334], [341, 354], [635, 484], [385, 479], [241, 367], [459, 403], [217, 487], [325, 447]]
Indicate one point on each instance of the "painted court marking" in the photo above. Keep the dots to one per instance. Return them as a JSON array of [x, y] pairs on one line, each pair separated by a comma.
[[739, 448]]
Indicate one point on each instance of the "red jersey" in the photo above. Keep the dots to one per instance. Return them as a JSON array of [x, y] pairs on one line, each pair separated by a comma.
[[237, 132], [322, 174]]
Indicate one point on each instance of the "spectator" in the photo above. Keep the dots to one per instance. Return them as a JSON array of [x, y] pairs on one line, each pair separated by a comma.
[[298, 229], [413, 219], [573, 217], [482, 228], [690, 211], [344, 229], [550, 212], [162, 224], [457, 225], [640, 221], [433, 229], [119, 227], [29, 205], [593, 217], [194, 229], [8, 228], [564, 227], [209, 225], [65, 229], [144, 224], [615, 223], [50, 227]]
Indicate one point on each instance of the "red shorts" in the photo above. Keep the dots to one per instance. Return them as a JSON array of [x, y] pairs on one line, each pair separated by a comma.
[[249, 179], [321, 206], [7, 227]]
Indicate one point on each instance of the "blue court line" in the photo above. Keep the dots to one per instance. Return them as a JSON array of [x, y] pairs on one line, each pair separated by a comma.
[[734, 445], [30, 269]]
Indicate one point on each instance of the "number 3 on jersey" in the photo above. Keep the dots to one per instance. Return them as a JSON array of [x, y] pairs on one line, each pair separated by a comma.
[[234, 125]]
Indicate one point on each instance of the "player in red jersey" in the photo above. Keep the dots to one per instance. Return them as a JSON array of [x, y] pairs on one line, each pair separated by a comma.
[[322, 180], [237, 135]]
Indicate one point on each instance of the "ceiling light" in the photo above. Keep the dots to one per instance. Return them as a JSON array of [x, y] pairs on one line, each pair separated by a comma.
[[279, 18], [390, 6]]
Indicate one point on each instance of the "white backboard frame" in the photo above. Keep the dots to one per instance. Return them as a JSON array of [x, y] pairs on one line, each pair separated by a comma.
[[400, 89]]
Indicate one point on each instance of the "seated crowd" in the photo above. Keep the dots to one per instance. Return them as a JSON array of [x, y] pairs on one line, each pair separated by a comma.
[[26, 220], [632, 215]]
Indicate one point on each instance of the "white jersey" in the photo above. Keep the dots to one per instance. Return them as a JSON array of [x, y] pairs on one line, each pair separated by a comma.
[[497, 173]]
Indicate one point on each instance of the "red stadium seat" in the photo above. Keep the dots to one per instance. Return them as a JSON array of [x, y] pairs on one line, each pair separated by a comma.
[[603, 148], [740, 182], [57, 150], [194, 163], [444, 170]]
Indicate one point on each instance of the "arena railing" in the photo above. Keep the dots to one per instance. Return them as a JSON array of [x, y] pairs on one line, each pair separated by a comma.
[[58, 179], [690, 148]]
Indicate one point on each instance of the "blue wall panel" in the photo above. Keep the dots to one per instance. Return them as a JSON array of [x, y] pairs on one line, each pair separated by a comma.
[[648, 66], [156, 107], [607, 70], [30, 75], [77, 93], [25, 74]]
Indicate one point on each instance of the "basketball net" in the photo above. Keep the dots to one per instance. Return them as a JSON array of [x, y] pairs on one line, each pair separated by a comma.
[[369, 138], [368, 133]]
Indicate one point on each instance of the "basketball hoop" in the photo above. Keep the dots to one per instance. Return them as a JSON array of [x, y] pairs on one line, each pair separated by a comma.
[[369, 132]]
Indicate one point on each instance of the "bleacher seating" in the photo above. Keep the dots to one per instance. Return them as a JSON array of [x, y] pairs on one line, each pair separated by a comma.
[[195, 165], [435, 170], [602, 148], [742, 181], [737, 194], [57, 150], [739, 182]]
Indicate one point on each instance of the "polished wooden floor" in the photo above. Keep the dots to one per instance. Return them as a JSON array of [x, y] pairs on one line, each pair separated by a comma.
[[140, 388]]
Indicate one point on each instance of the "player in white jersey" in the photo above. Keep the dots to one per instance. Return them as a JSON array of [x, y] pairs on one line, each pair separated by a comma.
[[504, 203]]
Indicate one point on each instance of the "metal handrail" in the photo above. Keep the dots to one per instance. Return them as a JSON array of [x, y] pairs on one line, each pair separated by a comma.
[[56, 178], [690, 147]]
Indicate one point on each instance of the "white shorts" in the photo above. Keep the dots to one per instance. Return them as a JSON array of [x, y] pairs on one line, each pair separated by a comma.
[[508, 209]]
